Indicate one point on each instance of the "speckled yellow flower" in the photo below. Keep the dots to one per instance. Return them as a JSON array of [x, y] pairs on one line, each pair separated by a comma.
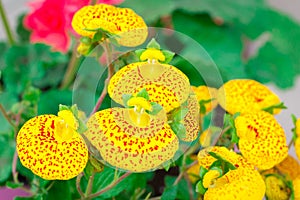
[[124, 141], [242, 95], [51, 147], [165, 84], [124, 22], [205, 94], [239, 184], [276, 189], [206, 160], [289, 167], [262, 140], [296, 187]]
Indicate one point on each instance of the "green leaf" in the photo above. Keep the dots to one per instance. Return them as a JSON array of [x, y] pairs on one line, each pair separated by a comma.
[[200, 188], [180, 114], [222, 48], [139, 52], [13, 185], [60, 190], [156, 108], [98, 36], [170, 193], [6, 155], [143, 93], [179, 129], [31, 94], [86, 40], [202, 172], [169, 55], [23, 33], [125, 98], [153, 44], [7, 100], [276, 106]]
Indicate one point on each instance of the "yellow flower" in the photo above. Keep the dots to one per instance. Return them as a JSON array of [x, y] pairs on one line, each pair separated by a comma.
[[209, 135], [298, 127], [276, 188], [297, 147], [210, 178], [51, 148], [165, 84], [193, 171], [130, 27], [205, 93], [123, 143], [261, 139], [296, 187], [152, 54], [289, 167], [191, 120], [246, 96], [239, 184], [206, 160]]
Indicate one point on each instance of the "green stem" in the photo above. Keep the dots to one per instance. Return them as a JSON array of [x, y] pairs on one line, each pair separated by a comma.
[[291, 143], [78, 179], [6, 24], [110, 186], [108, 52], [89, 186], [6, 115], [71, 69]]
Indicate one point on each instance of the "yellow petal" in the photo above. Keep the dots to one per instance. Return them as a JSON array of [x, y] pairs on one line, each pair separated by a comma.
[[123, 147], [152, 54], [206, 160], [242, 95], [289, 167], [297, 147], [210, 178], [140, 102], [205, 93], [239, 184], [296, 187], [165, 84], [298, 127], [262, 140], [45, 154]]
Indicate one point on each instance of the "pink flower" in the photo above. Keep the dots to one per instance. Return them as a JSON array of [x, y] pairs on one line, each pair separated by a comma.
[[50, 21]]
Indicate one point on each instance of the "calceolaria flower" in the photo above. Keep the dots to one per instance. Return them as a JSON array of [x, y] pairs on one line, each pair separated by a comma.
[[139, 137], [276, 189], [240, 182], [296, 188], [51, 147], [297, 138], [207, 98], [242, 95], [289, 167], [262, 140], [129, 27]]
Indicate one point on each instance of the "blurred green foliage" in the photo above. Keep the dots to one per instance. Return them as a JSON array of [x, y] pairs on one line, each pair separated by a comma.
[[245, 39]]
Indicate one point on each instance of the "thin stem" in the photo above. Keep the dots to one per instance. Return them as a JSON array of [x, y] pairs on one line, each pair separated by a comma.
[[6, 24], [191, 193], [5, 114], [179, 177], [14, 167], [110, 186], [50, 186], [71, 69], [220, 135], [108, 53], [78, 179], [89, 186], [291, 143]]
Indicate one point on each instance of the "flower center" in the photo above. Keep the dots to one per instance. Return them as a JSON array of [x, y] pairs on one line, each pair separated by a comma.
[[66, 126], [138, 114], [152, 55]]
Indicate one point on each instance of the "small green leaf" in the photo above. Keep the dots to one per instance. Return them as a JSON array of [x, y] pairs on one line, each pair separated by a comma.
[[234, 137], [180, 114], [153, 44], [276, 106], [168, 55], [179, 129], [294, 118], [125, 98], [13, 185], [217, 163], [156, 108], [143, 93], [217, 169], [86, 40], [62, 107], [200, 188], [202, 172]]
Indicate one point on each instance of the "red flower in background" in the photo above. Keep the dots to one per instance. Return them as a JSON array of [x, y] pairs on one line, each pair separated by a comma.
[[50, 21]]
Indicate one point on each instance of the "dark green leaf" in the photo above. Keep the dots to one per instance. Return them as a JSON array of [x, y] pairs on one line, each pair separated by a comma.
[[98, 36], [50, 101], [170, 193], [31, 94], [60, 190], [23, 33], [6, 157]]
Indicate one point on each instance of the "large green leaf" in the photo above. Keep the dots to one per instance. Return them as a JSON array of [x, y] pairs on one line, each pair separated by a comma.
[[223, 44], [32, 64], [7, 99], [6, 157], [279, 57]]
